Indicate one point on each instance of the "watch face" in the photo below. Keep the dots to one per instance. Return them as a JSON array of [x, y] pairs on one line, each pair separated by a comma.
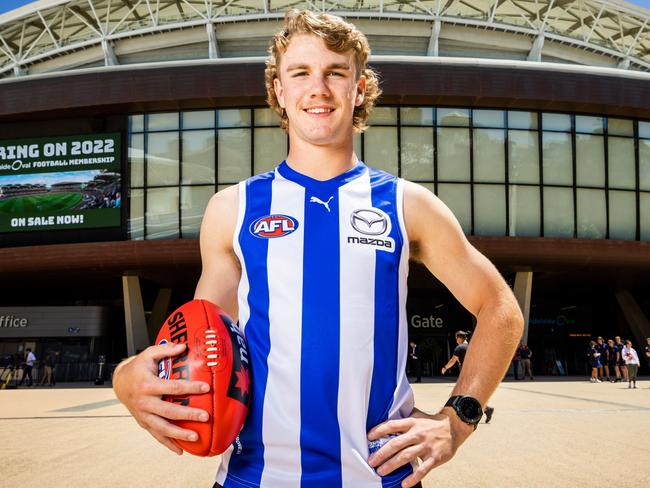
[[470, 408]]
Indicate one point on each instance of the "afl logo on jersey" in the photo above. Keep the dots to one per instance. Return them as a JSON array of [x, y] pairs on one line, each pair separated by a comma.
[[273, 226]]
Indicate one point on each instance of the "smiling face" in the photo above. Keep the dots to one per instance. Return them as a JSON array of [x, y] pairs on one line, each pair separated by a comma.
[[319, 90]]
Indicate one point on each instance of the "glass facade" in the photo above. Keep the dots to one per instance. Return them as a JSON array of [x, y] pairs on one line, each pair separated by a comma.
[[502, 172]]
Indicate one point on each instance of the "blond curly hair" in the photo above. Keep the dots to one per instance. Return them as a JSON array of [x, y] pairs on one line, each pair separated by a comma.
[[339, 36]]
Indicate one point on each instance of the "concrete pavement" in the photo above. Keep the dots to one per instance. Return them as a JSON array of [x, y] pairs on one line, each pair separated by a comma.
[[567, 433]]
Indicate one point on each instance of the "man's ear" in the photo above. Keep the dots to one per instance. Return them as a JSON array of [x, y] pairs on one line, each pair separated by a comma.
[[361, 91], [279, 91]]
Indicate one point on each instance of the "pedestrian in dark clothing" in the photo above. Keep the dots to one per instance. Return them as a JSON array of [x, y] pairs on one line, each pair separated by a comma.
[[459, 357], [612, 362], [515, 363], [416, 363], [525, 354], [604, 351], [594, 361], [621, 362]]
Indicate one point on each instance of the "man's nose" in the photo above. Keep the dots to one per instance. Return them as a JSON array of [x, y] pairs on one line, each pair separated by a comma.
[[319, 87]]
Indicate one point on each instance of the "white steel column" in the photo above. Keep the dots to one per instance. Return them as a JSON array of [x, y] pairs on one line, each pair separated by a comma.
[[432, 49], [136, 326], [213, 45], [109, 54], [523, 287]]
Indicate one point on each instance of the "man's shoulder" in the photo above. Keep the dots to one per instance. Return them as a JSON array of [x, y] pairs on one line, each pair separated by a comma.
[[268, 175], [377, 173]]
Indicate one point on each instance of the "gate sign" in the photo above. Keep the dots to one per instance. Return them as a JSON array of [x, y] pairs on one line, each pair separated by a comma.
[[57, 183]]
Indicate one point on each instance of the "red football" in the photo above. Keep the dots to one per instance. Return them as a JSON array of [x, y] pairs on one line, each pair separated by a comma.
[[216, 353]]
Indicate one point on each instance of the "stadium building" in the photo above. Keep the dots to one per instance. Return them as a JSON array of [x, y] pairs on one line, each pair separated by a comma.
[[530, 119]]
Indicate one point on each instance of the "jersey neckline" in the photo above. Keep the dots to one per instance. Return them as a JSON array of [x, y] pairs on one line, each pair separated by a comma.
[[307, 181]]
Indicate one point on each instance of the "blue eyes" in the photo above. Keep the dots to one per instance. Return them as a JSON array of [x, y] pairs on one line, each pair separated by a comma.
[[304, 73]]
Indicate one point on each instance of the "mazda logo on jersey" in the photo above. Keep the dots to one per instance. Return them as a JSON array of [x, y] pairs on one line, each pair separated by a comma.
[[375, 226], [369, 221], [271, 226]]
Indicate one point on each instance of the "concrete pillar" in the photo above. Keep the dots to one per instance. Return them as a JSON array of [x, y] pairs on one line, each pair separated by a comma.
[[639, 323], [136, 326], [158, 313], [523, 287]]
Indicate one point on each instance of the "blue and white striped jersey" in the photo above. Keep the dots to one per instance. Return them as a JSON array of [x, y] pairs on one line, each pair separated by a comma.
[[322, 304]]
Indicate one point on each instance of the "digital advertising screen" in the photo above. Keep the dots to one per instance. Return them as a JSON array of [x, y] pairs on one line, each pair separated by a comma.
[[59, 183]]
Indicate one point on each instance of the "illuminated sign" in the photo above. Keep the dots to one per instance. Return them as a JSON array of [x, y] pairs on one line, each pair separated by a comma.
[[60, 183]]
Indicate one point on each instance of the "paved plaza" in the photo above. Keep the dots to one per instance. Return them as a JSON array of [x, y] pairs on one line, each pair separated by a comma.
[[568, 433]]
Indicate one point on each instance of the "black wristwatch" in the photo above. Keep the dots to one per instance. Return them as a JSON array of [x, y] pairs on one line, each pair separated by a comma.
[[467, 408]]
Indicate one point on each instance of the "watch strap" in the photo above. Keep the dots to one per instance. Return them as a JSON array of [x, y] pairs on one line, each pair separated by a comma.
[[453, 403]]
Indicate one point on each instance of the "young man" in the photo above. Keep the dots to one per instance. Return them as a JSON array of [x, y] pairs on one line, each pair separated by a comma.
[[621, 362], [458, 357], [30, 359], [323, 306]]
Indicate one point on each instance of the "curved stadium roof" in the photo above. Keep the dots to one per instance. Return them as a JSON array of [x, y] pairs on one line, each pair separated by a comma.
[[59, 35]]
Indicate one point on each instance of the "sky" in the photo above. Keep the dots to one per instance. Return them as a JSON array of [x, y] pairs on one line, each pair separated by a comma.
[[6, 5]]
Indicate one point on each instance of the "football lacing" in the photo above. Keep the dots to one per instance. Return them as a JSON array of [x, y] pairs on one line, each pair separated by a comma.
[[213, 349]]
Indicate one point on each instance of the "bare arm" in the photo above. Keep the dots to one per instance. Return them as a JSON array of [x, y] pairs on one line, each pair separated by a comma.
[[136, 381], [450, 363], [220, 267], [478, 286]]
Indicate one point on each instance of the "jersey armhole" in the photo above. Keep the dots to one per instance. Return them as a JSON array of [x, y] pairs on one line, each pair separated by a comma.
[[399, 203], [241, 212]]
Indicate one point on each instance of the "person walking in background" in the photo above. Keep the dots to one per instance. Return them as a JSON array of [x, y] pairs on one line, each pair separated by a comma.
[[594, 361], [515, 363], [621, 362], [612, 361], [416, 364], [632, 362], [47, 369], [458, 358], [30, 358], [525, 354], [55, 360], [603, 349]]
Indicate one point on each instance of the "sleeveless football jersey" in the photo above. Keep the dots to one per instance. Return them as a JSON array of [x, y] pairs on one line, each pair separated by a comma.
[[322, 301]]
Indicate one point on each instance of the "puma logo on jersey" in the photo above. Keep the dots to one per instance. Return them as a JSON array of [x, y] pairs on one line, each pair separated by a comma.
[[324, 204]]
